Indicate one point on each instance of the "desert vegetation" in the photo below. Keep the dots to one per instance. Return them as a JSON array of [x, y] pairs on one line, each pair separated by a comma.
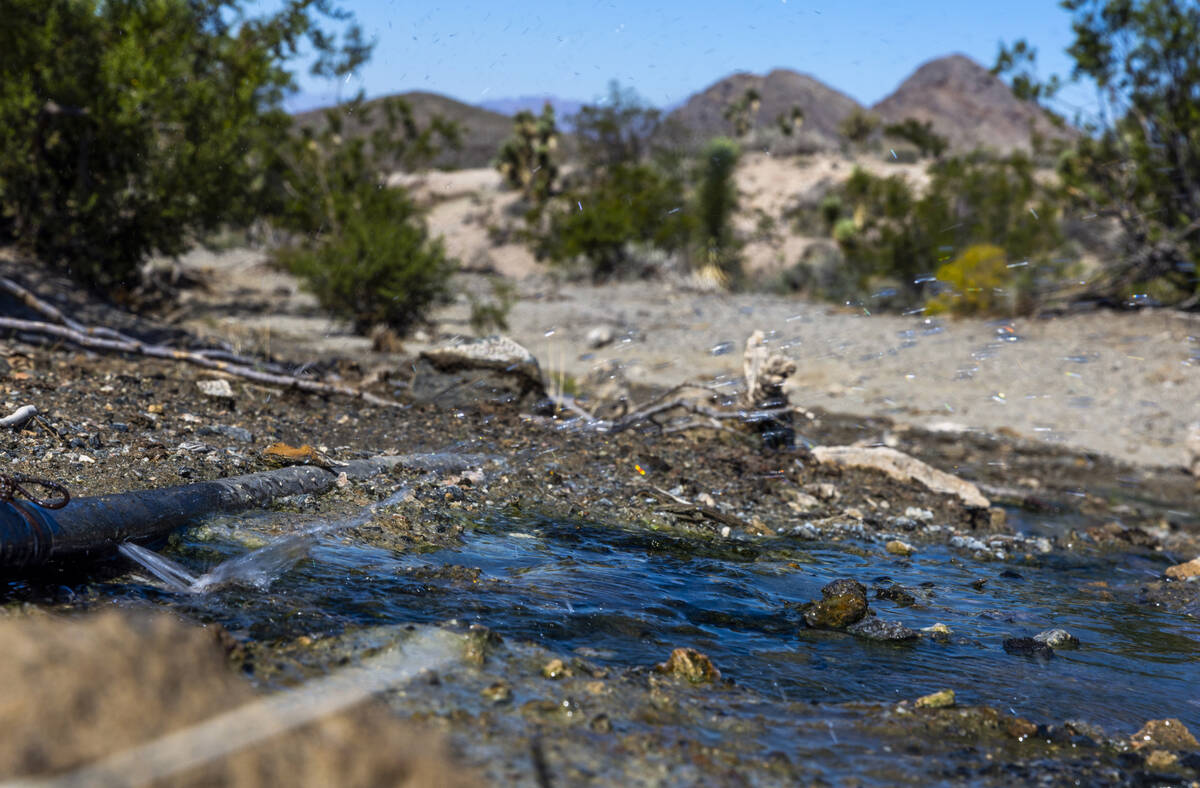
[[115, 148]]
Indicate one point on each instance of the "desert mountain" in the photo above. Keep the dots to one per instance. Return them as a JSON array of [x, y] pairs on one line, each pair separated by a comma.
[[483, 130], [824, 108], [968, 105]]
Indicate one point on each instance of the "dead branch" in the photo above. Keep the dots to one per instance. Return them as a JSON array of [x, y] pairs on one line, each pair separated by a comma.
[[671, 400], [19, 417], [94, 341], [55, 315]]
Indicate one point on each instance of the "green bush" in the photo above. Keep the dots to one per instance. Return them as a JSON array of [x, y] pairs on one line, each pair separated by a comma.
[[127, 127], [378, 265], [603, 222], [361, 247], [919, 134], [969, 200]]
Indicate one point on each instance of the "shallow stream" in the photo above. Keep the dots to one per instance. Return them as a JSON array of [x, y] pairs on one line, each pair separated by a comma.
[[623, 599]]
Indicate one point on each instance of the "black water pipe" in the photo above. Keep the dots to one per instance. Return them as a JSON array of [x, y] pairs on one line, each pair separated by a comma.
[[92, 528]]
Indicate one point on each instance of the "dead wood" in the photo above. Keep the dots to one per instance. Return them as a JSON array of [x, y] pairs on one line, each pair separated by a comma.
[[115, 342]]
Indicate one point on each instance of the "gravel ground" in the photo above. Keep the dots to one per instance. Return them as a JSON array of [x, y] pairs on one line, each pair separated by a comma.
[[1126, 385], [1122, 384]]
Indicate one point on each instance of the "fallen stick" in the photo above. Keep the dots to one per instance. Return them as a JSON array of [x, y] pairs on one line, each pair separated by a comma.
[[55, 315], [137, 347]]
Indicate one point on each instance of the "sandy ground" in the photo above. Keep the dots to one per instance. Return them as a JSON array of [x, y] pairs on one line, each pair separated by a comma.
[[1126, 385]]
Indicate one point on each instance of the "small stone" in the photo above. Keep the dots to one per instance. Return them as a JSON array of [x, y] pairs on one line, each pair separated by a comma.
[[920, 515], [1019, 728], [217, 387], [896, 593], [600, 336], [844, 602], [826, 492], [897, 547], [873, 628], [1028, 647], [601, 723], [938, 631], [691, 665], [499, 692], [555, 669], [1184, 571], [1161, 759], [803, 503], [1057, 638], [1167, 734], [942, 699]]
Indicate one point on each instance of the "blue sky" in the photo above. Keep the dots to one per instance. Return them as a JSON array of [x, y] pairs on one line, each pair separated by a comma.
[[477, 50]]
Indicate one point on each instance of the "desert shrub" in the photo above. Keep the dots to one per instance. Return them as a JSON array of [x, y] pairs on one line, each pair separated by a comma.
[[980, 282], [491, 314], [920, 135], [603, 221], [740, 113], [360, 246], [896, 235], [716, 201], [378, 267], [831, 209], [858, 126], [126, 127]]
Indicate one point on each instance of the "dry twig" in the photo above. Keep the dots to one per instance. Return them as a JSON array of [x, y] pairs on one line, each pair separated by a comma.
[[104, 340]]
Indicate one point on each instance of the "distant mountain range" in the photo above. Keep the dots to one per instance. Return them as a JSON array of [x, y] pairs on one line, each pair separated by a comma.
[[962, 100]]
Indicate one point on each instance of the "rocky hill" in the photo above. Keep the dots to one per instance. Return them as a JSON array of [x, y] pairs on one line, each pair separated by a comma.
[[824, 108], [483, 130], [968, 105]]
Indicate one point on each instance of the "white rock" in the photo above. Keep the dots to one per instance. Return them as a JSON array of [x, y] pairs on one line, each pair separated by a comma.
[[902, 467], [216, 387]]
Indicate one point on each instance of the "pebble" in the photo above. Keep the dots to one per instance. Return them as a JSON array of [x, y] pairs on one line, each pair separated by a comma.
[[1028, 647], [897, 547], [844, 602], [873, 628], [938, 631], [942, 699], [691, 665], [1167, 734], [1184, 571], [896, 593], [920, 515], [600, 336], [1057, 638], [216, 387]]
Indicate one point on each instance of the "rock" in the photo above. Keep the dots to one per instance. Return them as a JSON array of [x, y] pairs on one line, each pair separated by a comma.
[[691, 665], [903, 468], [803, 503], [896, 593], [939, 632], [1057, 638], [942, 699], [844, 602], [494, 352], [1184, 571], [896, 547], [495, 369], [215, 387], [235, 433], [498, 692], [1028, 647], [600, 336], [920, 515], [873, 628], [1161, 759], [555, 669], [1167, 734]]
